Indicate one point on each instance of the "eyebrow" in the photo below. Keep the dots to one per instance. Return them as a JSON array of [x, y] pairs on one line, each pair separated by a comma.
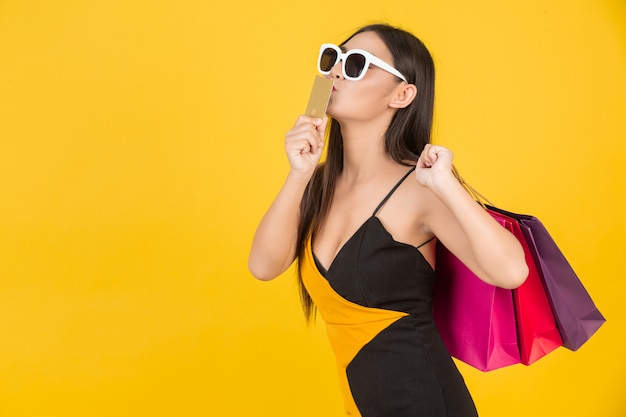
[[344, 50]]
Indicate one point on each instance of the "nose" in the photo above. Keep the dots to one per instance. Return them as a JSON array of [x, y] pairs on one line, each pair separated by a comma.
[[336, 72]]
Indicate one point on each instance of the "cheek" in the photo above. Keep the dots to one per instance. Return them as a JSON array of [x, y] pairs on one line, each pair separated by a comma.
[[370, 101], [362, 102]]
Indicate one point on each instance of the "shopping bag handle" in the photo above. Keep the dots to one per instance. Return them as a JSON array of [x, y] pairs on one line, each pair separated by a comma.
[[481, 199]]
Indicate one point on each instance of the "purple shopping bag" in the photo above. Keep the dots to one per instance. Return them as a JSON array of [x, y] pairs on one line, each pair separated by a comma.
[[476, 320], [576, 315]]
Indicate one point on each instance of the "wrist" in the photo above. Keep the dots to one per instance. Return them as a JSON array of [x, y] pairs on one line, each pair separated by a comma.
[[451, 192], [299, 176], [443, 181]]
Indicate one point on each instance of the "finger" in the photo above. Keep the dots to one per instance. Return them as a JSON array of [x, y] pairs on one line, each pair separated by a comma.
[[426, 157], [306, 132], [321, 124], [302, 127], [303, 120], [433, 156], [436, 156], [442, 155], [298, 147], [321, 128], [311, 138]]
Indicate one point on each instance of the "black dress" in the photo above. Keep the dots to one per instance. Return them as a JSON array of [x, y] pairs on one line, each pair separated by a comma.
[[376, 300]]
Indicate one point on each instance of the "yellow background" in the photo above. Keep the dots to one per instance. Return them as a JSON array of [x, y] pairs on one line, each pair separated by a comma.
[[141, 142]]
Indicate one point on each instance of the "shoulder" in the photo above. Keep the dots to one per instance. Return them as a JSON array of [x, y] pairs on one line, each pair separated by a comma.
[[405, 212], [412, 194], [415, 201], [410, 199]]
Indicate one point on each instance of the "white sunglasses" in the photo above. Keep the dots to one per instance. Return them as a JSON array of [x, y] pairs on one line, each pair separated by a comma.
[[354, 63]]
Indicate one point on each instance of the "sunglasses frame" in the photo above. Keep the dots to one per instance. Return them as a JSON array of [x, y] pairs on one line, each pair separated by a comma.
[[369, 60]]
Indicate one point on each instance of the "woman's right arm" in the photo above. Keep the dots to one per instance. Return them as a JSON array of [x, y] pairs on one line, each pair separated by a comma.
[[274, 245]]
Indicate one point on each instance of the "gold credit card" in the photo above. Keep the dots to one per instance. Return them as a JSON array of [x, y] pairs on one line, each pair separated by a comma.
[[320, 95]]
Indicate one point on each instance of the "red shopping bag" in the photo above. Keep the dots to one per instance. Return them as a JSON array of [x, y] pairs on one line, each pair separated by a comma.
[[537, 330]]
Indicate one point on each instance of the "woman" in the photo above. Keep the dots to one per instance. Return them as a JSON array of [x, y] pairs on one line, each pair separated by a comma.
[[363, 226]]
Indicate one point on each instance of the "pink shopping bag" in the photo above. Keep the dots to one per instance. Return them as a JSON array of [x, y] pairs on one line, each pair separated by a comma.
[[476, 320]]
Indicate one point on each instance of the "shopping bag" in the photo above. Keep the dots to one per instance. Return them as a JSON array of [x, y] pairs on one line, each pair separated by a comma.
[[537, 331], [476, 320], [576, 314]]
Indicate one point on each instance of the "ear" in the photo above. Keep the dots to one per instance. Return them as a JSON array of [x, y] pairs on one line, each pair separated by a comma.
[[404, 95]]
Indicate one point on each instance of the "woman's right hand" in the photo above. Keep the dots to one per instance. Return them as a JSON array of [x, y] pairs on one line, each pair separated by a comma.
[[304, 143], [274, 245]]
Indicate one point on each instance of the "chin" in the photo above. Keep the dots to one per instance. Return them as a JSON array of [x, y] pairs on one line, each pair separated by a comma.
[[334, 113]]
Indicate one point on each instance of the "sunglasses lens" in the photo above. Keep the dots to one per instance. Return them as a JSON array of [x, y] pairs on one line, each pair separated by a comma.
[[355, 63], [328, 58]]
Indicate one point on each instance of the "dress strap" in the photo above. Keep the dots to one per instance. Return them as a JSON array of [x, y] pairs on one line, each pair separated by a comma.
[[395, 187], [427, 242]]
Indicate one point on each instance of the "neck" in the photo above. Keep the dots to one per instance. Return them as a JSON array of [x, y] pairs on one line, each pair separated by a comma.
[[364, 152]]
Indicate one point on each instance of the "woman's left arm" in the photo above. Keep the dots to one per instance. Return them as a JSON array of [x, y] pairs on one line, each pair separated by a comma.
[[464, 227]]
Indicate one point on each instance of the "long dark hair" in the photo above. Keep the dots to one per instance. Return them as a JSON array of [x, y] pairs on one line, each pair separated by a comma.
[[408, 133]]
